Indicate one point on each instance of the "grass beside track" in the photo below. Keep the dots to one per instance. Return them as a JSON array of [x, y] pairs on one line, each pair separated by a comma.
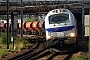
[[79, 58], [85, 46], [3, 51], [18, 44]]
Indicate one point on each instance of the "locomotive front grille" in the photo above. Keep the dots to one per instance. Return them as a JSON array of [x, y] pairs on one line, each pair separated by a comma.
[[54, 34], [57, 34]]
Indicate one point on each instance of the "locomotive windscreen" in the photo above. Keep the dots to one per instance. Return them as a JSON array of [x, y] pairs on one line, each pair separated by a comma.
[[58, 18]]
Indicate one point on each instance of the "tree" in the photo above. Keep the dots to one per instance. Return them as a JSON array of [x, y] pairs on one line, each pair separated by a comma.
[[30, 20]]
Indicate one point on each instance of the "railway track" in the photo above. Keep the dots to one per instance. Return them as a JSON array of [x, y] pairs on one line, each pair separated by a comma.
[[51, 55], [75, 50], [32, 50], [41, 52]]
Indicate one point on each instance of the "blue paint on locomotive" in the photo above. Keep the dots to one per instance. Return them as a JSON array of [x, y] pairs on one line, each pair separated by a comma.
[[59, 29]]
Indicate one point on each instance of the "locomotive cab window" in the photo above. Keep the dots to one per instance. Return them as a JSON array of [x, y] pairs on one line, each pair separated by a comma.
[[59, 18]]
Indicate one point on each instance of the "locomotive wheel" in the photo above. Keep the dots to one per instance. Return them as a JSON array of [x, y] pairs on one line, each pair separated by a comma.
[[60, 44], [49, 44], [46, 43]]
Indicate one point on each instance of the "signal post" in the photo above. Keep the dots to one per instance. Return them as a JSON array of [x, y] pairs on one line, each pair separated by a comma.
[[14, 19]]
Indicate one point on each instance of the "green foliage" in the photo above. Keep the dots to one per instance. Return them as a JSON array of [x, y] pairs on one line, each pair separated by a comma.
[[4, 38], [85, 43], [30, 20], [25, 42], [18, 40], [20, 43], [79, 58], [3, 52]]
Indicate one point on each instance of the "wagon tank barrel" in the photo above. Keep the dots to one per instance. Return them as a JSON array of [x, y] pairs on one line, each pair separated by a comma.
[[35, 25], [41, 24], [28, 26]]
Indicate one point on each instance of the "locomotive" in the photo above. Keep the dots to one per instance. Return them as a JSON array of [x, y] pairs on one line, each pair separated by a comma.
[[60, 27]]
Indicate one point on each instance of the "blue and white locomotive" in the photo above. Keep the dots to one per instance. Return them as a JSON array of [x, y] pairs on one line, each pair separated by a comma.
[[61, 27]]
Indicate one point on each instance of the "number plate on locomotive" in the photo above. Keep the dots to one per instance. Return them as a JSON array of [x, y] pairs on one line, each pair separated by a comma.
[[59, 34]]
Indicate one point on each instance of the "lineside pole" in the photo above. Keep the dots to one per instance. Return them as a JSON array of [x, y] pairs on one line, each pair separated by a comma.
[[7, 24], [89, 34], [12, 28], [21, 18], [82, 20]]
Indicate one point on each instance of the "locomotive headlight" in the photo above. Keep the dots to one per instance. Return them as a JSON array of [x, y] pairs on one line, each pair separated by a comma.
[[48, 37], [72, 35]]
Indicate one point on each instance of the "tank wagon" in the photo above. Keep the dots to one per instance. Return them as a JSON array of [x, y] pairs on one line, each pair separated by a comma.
[[19, 28], [33, 28], [28, 27], [3, 27]]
